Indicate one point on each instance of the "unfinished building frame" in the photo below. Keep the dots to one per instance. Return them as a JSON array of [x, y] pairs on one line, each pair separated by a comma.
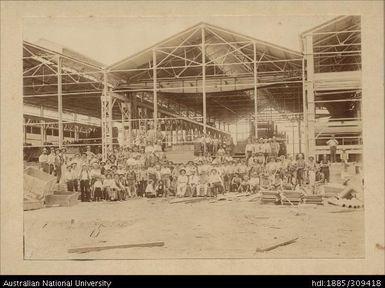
[[200, 81], [332, 86]]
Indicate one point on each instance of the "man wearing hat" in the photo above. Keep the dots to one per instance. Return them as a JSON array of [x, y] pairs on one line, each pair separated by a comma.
[[43, 161], [215, 182], [249, 149], [51, 161], [102, 167], [74, 175], [85, 178], [266, 149], [165, 176], [58, 164], [181, 183], [311, 167], [274, 147]]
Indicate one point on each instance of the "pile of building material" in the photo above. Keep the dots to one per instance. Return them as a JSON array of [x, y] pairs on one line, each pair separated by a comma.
[[348, 203], [333, 189], [269, 197], [348, 197], [289, 197], [313, 199], [41, 190], [62, 197], [37, 186]]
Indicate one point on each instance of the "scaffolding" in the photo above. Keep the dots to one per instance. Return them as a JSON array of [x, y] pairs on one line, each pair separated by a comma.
[[332, 85]]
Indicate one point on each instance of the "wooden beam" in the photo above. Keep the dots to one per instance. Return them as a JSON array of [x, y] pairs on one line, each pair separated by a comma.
[[100, 248]]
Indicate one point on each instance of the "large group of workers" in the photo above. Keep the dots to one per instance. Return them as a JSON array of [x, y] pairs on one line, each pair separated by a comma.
[[139, 171]]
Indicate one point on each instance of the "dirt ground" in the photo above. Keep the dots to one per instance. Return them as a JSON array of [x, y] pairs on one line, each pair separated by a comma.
[[232, 228]]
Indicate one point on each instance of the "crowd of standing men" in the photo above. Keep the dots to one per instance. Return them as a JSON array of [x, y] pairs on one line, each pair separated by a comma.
[[145, 171]]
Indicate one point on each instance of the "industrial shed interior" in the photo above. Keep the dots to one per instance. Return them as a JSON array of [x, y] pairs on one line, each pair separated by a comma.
[[206, 78]]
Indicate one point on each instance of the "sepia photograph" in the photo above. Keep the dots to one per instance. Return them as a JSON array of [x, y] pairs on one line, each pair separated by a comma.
[[174, 139], [199, 145]]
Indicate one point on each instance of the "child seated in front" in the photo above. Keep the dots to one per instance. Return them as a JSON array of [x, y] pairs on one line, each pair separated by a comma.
[[244, 187], [235, 183], [160, 189], [150, 190], [254, 182], [277, 182]]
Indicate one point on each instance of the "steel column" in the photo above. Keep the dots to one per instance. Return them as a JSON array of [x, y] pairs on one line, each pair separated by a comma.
[[155, 91], [305, 113], [310, 94], [60, 100], [299, 137], [204, 84], [255, 91]]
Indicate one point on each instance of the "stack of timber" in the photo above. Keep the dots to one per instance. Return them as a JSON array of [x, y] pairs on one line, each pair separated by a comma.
[[289, 197], [313, 199], [333, 190], [269, 197]]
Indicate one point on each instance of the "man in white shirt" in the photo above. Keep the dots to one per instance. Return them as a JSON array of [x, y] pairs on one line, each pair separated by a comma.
[[216, 183], [51, 161], [249, 150], [274, 147], [266, 148], [43, 161], [149, 148], [157, 148], [332, 143], [131, 162], [89, 153]]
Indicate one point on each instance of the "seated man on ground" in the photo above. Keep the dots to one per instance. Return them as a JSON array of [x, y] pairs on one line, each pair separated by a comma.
[[244, 186]]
